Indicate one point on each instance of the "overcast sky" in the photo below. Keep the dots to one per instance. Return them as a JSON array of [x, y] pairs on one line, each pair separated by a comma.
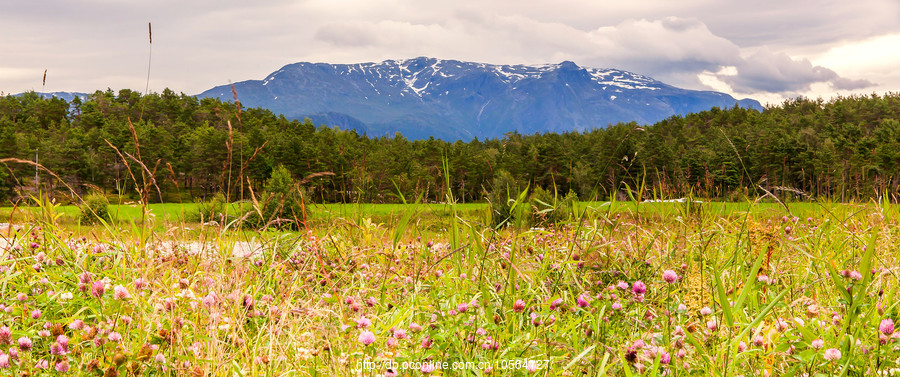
[[765, 49]]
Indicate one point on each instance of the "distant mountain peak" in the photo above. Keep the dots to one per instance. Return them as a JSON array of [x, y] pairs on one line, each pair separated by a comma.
[[452, 99]]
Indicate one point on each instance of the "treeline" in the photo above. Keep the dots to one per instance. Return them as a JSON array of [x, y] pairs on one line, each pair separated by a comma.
[[847, 148]]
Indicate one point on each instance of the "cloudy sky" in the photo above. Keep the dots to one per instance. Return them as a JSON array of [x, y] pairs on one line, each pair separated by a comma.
[[765, 49]]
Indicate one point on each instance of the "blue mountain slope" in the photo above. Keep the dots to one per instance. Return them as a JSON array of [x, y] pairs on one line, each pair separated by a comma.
[[453, 100]]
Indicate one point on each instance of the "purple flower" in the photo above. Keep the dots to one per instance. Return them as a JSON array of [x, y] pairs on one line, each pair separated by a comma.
[[366, 337], [832, 354], [556, 303], [209, 300], [665, 358], [855, 275], [36, 313], [115, 337], [462, 307], [363, 323], [415, 327], [886, 327], [24, 343], [97, 289], [140, 283], [121, 293], [818, 343], [639, 288], [622, 285], [638, 344], [5, 335], [62, 366], [4, 361], [582, 301], [519, 306], [670, 276]]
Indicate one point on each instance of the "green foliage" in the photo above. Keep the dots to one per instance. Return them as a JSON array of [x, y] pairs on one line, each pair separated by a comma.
[[95, 209], [548, 208], [213, 209], [504, 199], [845, 149], [282, 202], [6, 184]]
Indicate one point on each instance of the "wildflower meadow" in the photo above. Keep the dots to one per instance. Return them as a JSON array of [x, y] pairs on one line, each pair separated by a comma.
[[764, 290]]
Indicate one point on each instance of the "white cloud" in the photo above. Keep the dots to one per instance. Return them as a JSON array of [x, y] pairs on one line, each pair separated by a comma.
[[777, 47]]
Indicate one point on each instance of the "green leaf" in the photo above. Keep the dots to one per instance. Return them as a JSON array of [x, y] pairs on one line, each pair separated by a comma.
[[580, 356]]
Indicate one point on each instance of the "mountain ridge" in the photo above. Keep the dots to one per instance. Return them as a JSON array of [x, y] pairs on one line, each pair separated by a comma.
[[453, 100]]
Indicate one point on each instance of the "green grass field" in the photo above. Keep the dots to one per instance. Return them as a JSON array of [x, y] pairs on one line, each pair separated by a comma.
[[389, 214]]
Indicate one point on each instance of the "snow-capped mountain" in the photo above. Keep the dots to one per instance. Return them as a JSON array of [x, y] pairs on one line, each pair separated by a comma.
[[453, 100], [67, 96]]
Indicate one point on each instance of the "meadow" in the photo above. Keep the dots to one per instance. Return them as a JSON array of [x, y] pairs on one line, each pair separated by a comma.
[[619, 289]]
